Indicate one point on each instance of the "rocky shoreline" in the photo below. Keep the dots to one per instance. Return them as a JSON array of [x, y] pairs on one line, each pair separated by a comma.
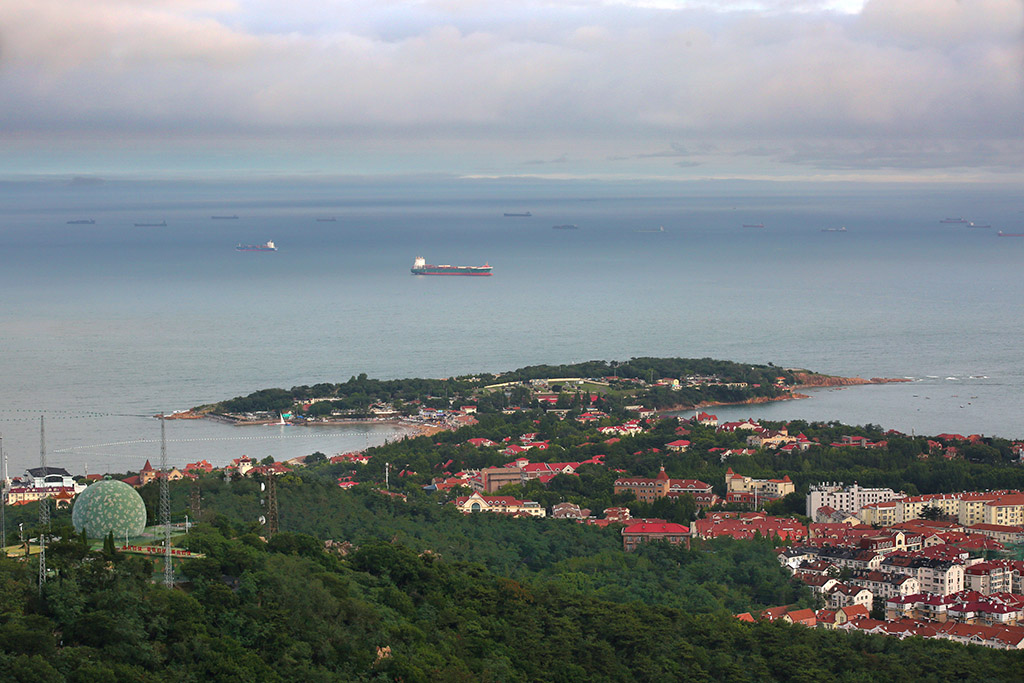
[[807, 380]]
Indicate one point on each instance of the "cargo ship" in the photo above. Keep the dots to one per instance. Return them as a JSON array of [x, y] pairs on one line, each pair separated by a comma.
[[568, 226], [224, 218], [421, 267], [161, 224], [524, 214], [958, 219], [83, 221], [1010, 234], [842, 229], [753, 225], [268, 246]]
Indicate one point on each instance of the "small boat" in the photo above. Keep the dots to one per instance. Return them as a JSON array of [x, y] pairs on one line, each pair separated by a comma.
[[660, 229], [161, 224], [842, 229], [83, 221]]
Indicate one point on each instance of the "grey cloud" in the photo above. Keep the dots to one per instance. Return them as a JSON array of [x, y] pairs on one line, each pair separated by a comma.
[[597, 79]]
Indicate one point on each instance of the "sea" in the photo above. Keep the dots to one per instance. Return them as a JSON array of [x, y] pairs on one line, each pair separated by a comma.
[[106, 324]]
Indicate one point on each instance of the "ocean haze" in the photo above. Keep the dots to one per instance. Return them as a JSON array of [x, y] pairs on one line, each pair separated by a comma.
[[107, 323]]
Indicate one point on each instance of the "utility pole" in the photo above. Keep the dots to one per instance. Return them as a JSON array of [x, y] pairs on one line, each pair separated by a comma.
[[165, 506], [194, 501], [44, 507], [271, 505], [3, 498]]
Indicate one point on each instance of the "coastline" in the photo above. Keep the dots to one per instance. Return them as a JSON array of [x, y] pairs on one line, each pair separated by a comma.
[[807, 381], [414, 428]]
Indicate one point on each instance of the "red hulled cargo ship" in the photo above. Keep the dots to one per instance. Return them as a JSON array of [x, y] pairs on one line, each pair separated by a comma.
[[421, 267]]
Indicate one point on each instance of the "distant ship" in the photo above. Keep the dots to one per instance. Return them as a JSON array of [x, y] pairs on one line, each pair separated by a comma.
[[83, 221], [1010, 234], [268, 246], [524, 214], [224, 218], [567, 226], [326, 220], [842, 229], [958, 219], [753, 225], [421, 267], [660, 229], [161, 224], [976, 225]]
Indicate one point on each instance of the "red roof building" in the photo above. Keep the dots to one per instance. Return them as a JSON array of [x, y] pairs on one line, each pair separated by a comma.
[[644, 532]]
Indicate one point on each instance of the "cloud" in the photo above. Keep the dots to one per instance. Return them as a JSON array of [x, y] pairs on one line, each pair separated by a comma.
[[599, 79]]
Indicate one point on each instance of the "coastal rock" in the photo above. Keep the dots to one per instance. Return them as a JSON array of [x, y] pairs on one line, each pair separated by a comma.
[[808, 379]]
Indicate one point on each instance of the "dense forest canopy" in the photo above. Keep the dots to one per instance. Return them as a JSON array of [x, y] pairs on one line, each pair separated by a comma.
[[494, 599]]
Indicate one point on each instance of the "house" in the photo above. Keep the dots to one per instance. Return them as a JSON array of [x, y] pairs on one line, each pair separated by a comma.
[[678, 446], [241, 465], [644, 532], [851, 613], [804, 617], [706, 419], [506, 505], [844, 595], [569, 511], [200, 466]]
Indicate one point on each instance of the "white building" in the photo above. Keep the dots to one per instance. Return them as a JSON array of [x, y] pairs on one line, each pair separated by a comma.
[[846, 498]]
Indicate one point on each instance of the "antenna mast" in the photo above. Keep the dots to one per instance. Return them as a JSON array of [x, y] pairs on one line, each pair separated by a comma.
[[44, 506], [165, 507]]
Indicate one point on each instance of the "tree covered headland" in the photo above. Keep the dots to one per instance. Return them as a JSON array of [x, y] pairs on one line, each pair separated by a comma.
[[718, 382]]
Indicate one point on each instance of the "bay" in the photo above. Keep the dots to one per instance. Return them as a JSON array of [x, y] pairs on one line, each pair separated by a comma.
[[106, 324]]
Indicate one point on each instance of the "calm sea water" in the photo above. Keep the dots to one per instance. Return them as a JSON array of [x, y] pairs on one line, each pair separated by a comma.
[[106, 324]]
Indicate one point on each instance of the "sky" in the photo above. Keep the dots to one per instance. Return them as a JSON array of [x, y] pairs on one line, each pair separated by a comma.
[[907, 90]]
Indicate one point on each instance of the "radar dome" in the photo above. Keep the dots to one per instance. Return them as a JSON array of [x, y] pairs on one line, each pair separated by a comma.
[[109, 506]]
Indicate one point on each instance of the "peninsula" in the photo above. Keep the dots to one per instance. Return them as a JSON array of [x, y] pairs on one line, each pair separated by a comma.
[[658, 384]]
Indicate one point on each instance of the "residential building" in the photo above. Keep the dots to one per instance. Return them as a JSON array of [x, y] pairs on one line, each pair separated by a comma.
[[647, 490], [739, 488], [491, 479], [848, 499]]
